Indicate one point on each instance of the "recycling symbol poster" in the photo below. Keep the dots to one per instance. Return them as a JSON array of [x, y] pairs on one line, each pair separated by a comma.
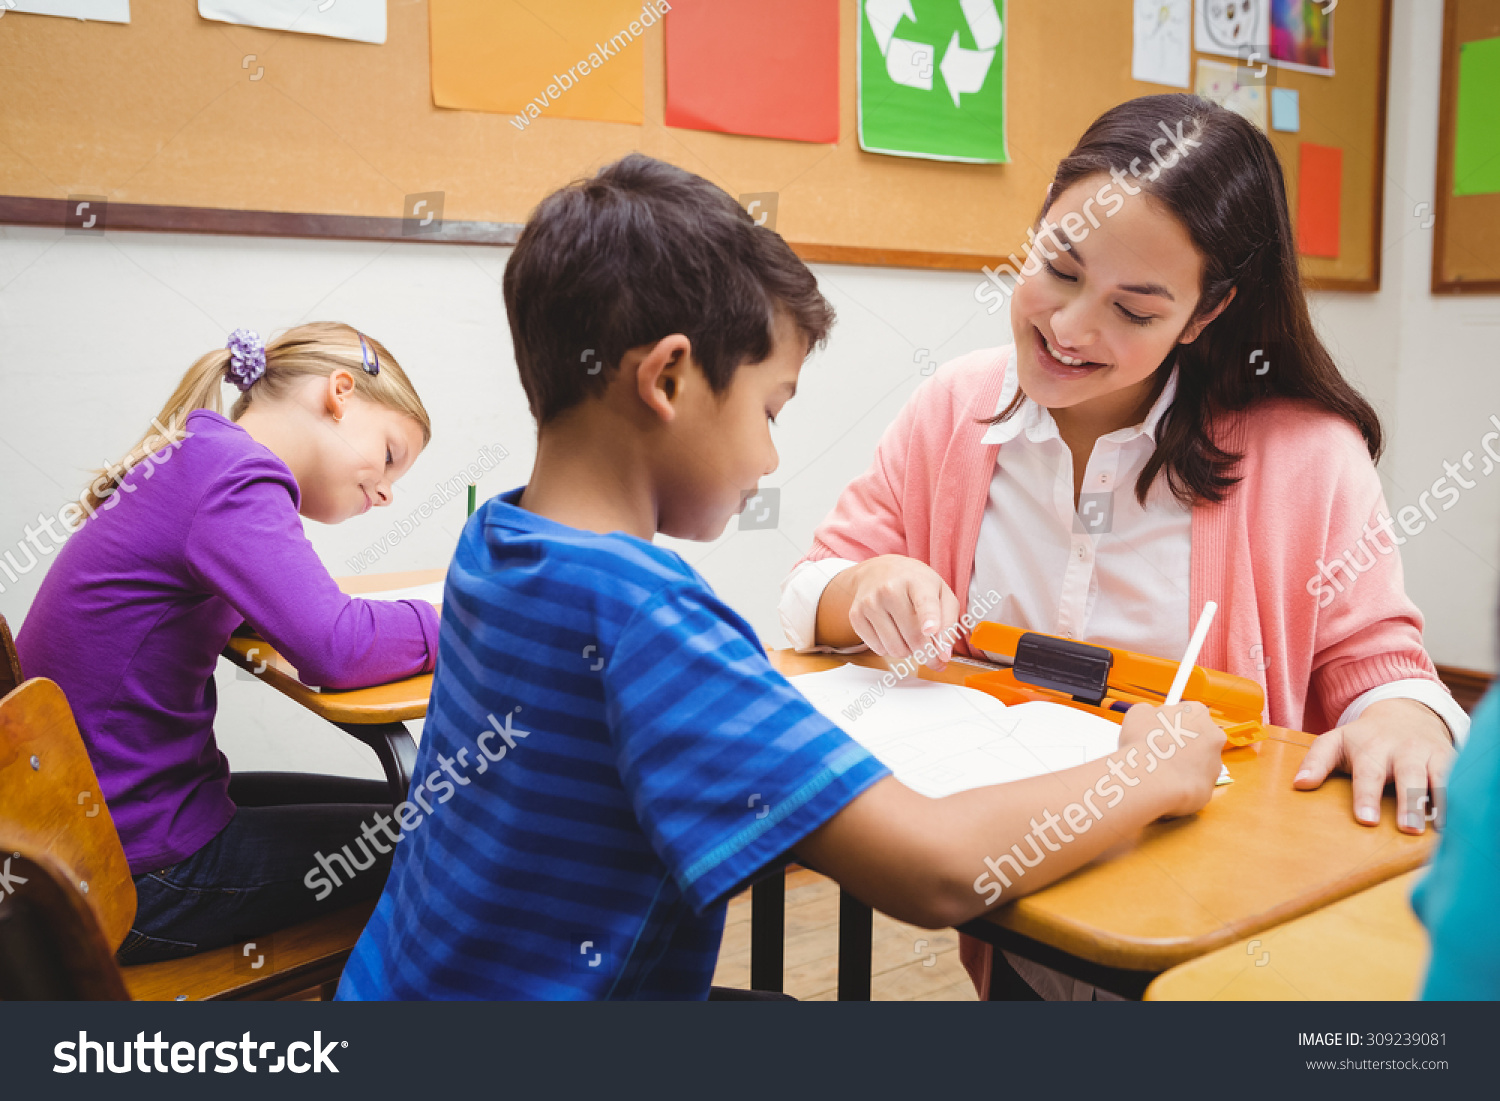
[[932, 79]]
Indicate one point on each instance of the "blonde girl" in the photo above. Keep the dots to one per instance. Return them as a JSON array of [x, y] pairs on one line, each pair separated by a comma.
[[196, 531]]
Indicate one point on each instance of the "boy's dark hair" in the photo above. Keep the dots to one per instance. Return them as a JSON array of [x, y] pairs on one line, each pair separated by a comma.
[[636, 253]]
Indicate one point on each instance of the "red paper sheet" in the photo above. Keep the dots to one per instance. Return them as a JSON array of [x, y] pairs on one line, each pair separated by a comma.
[[765, 68], [1320, 179]]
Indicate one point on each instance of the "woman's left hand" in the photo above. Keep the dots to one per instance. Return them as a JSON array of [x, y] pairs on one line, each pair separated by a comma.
[[1394, 739]]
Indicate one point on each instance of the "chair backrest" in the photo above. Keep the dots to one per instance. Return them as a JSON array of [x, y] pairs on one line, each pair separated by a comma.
[[51, 805], [51, 945], [10, 661]]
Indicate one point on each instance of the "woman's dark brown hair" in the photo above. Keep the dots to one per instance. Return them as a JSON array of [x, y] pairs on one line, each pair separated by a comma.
[[1229, 194]]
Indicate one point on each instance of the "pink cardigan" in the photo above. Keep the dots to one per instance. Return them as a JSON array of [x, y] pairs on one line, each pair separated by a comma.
[[1307, 490]]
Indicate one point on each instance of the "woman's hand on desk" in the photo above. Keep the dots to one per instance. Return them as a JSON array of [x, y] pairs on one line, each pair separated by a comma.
[[894, 605], [1400, 740]]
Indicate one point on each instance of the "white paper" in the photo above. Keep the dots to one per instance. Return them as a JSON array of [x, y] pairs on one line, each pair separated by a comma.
[[105, 11], [432, 593], [1224, 26], [359, 20], [940, 738], [1220, 83], [1163, 48]]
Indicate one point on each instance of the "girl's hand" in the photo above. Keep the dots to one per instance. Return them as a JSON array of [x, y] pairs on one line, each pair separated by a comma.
[[898, 604], [1179, 747], [1400, 740]]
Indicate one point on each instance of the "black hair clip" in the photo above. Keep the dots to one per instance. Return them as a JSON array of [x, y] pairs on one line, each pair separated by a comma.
[[368, 358]]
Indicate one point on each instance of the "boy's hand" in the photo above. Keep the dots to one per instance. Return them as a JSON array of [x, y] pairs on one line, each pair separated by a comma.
[[1177, 746], [898, 604]]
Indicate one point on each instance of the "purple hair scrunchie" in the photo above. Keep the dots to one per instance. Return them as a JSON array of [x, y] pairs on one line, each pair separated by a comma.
[[247, 358]]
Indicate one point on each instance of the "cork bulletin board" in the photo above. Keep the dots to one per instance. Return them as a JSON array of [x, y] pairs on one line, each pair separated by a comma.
[[1466, 252], [167, 120]]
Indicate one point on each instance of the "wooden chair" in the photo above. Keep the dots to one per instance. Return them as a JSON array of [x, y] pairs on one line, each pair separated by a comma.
[[52, 947], [10, 662], [79, 898]]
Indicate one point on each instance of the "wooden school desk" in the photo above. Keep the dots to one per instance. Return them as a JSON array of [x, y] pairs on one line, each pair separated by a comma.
[[1186, 888], [1258, 855], [1367, 947], [376, 716]]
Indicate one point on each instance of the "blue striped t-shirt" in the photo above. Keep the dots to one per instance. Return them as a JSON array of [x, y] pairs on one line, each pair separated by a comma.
[[607, 757]]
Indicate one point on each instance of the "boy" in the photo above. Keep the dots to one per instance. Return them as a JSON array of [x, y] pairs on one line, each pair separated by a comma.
[[619, 754]]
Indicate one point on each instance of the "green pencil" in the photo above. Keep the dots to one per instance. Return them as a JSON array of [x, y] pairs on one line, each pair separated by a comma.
[[471, 500]]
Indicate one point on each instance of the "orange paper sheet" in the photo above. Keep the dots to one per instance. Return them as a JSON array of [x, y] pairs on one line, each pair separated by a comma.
[[1320, 179], [578, 60]]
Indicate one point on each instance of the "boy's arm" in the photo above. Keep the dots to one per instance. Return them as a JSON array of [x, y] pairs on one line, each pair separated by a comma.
[[924, 860]]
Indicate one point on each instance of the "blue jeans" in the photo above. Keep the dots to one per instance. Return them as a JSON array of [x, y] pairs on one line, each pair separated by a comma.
[[249, 880]]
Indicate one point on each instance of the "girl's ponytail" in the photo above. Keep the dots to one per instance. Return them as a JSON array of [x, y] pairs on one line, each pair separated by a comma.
[[199, 389]]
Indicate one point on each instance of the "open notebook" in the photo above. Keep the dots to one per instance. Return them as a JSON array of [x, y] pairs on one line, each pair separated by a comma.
[[941, 738]]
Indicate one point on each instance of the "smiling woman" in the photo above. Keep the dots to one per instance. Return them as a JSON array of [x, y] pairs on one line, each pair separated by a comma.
[[1210, 237], [1166, 382]]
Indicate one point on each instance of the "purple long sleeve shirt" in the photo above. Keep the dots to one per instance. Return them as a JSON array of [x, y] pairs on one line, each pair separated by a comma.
[[133, 614]]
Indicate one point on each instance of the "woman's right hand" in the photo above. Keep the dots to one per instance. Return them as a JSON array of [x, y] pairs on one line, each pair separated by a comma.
[[897, 606], [1179, 747]]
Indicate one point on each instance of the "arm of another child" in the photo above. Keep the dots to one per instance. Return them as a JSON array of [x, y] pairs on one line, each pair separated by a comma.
[[941, 862], [246, 544]]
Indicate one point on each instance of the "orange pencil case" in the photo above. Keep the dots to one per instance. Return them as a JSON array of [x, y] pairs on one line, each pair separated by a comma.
[[1107, 682]]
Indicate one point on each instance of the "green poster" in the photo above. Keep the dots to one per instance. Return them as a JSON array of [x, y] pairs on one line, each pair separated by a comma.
[[1476, 140], [932, 79]]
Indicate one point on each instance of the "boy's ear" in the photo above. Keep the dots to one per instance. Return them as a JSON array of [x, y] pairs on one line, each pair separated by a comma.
[[1193, 331], [660, 375]]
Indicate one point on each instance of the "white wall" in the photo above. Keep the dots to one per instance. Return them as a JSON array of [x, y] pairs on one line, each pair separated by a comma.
[[1430, 364], [94, 333], [1448, 382]]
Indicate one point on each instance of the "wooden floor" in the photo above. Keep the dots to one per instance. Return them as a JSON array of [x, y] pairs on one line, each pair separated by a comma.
[[909, 964]]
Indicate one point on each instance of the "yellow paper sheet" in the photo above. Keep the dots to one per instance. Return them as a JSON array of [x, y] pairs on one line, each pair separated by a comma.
[[534, 61]]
